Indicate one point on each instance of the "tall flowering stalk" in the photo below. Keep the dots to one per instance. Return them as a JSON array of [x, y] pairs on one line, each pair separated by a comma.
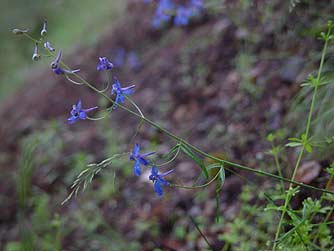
[[117, 97]]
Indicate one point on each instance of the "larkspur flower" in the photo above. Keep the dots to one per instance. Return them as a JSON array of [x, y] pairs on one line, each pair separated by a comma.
[[139, 159], [78, 113], [158, 180], [104, 64], [182, 16], [121, 92], [57, 69]]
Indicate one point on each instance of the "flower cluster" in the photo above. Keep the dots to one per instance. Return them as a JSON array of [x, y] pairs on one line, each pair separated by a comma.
[[120, 93], [182, 13], [157, 179]]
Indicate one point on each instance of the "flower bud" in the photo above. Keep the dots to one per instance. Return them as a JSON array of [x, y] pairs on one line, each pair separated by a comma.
[[19, 31], [36, 56], [48, 46], [43, 31]]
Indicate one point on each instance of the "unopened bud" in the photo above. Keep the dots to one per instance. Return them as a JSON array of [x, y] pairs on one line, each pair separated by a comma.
[[43, 31], [48, 46], [19, 31], [36, 56]]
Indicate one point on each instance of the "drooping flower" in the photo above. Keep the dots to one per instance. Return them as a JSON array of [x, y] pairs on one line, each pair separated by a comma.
[[104, 64], [48, 46], [78, 113], [158, 180], [57, 69], [139, 159], [121, 92]]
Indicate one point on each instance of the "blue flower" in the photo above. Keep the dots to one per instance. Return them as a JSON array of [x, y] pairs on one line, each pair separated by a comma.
[[78, 113], [104, 64], [158, 180], [182, 16], [121, 92], [57, 69], [196, 6], [139, 159], [163, 13]]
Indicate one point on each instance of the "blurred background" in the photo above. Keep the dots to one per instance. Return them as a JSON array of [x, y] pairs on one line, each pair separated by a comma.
[[223, 81]]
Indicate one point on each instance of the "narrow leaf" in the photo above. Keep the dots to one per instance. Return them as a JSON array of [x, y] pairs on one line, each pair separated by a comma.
[[195, 158]]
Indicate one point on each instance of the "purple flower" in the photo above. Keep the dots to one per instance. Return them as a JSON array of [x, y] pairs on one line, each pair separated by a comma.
[[158, 180], [78, 113], [139, 159], [121, 92], [104, 64], [57, 69]]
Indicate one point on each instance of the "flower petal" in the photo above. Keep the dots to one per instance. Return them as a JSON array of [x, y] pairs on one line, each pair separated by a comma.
[[143, 161], [154, 171], [72, 120], [136, 150], [136, 168], [82, 115], [158, 188]]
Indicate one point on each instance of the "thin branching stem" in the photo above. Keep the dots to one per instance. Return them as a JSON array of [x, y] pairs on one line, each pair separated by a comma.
[[184, 142], [307, 131]]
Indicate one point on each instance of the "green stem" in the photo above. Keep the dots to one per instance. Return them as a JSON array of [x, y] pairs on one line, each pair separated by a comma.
[[307, 130], [199, 186]]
